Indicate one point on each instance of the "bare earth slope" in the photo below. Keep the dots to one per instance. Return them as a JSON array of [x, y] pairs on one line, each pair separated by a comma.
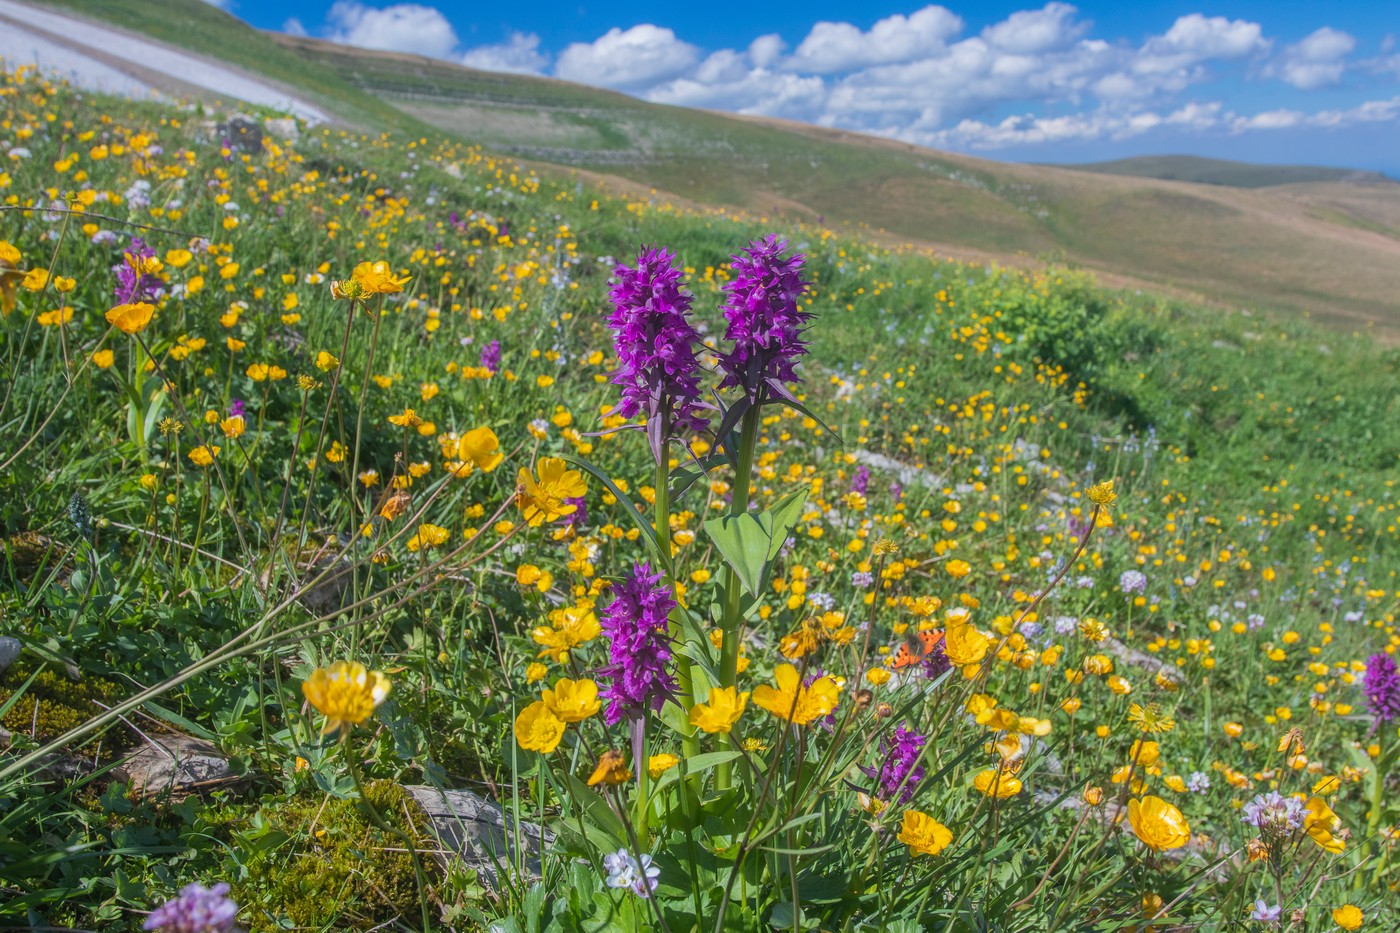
[[1330, 249]]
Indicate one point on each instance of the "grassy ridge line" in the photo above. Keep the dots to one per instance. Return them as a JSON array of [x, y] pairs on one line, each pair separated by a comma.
[[1226, 172]]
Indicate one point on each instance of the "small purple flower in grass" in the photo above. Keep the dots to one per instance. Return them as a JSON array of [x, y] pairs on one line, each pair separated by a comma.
[[1382, 683], [1132, 581], [197, 910], [639, 649], [579, 517], [625, 871], [896, 492], [860, 481], [655, 343], [133, 282], [897, 773], [765, 320], [1264, 913], [237, 408], [491, 357]]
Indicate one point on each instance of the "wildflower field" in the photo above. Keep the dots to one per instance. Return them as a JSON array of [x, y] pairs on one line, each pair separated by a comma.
[[754, 577]]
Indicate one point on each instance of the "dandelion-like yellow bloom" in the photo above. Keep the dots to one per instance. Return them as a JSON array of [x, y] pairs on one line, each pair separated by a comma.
[[537, 729], [612, 769], [1158, 824], [369, 278], [131, 318], [1102, 494], [793, 702], [723, 710], [923, 834], [542, 500], [346, 693]]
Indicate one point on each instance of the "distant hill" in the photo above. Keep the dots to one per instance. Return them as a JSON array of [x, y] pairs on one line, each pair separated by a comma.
[[1313, 244], [1224, 172]]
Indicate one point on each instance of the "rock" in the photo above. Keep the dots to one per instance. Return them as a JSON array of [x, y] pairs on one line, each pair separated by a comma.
[[10, 648], [242, 133], [282, 128], [1142, 659], [477, 830], [175, 764]]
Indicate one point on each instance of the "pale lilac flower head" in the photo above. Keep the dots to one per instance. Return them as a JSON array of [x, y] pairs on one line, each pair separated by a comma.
[[1266, 914], [639, 649], [1382, 683], [625, 870], [655, 344], [1273, 812], [766, 320], [197, 910], [1132, 581]]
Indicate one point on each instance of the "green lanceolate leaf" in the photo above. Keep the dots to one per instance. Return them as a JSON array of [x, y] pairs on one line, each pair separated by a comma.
[[750, 542]]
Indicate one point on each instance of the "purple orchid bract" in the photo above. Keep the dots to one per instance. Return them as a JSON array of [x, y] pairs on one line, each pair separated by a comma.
[[133, 284], [766, 320], [639, 650], [897, 773], [1382, 683], [655, 343]]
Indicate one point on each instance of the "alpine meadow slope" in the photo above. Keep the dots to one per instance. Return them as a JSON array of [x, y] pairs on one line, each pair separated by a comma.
[[1329, 249]]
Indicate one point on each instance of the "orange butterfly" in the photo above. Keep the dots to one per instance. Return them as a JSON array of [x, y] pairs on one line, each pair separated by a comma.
[[916, 647]]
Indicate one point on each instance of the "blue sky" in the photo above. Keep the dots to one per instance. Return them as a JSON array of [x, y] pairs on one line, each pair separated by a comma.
[[1280, 81]]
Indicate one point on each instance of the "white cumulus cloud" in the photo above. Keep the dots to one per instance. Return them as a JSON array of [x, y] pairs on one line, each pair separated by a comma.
[[404, 27], [628, 59], [1318, 60], [832, 47], [519, 54]]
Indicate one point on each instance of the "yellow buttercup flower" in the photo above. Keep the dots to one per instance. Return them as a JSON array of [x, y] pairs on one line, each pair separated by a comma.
[[428, 537], [131, 318], [573, 700], [204, 456], [1348, 917], [482, 448], [964, 644], [923, 834], [103, 359], [346, 693], [1322, 826], [612, 769], [792, 701], [325, 362], [723, 710], [537, 729], [1158, 824], [658, 765], [996, 782], [542, 500], [569, 627]]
